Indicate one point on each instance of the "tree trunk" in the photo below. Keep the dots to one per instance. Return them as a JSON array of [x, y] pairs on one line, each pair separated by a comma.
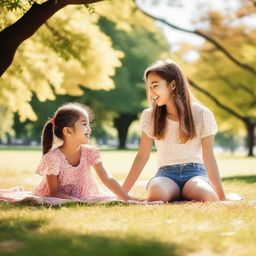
[[12, 36], [122, 123], [250, 137], [9, 140]]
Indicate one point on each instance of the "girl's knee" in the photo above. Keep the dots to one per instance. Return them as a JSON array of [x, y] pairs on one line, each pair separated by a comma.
[[210, 197], [200, 190], [157, 193], [205, 195]]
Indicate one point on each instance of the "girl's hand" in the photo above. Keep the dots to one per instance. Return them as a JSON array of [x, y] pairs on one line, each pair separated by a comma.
[[135, 200], [233, 197], [222, 197], [131, 198]]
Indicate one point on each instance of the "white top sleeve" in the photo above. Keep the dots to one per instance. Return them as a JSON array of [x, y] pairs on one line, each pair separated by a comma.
[[209, 126]]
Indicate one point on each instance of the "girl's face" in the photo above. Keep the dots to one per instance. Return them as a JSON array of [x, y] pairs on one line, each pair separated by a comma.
[[82, 130], [160, 91]]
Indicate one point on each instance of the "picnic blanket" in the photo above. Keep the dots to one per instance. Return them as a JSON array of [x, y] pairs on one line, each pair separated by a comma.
[[19, 195]]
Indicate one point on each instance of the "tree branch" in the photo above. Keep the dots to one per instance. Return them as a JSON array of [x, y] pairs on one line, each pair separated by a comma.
[[214, 99], [209, 39], [239, 86], [12, 36]]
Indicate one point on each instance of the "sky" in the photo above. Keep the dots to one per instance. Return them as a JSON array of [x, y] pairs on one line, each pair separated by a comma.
[[180, 16], [183, 14]]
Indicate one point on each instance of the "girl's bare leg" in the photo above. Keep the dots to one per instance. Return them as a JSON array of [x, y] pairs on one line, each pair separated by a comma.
[[163, 189], [197, 188]]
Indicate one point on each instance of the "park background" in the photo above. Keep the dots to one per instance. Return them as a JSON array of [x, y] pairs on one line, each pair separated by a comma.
[[96, 54]]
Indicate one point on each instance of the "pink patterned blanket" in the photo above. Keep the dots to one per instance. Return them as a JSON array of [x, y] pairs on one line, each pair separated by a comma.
[[19, 195]]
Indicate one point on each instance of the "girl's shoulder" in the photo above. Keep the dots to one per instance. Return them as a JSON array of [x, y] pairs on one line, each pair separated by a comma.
[[52, 153], [91, 153], [54, 156], [50, 163], [147, 110], [147, 113], [199, 109], [89, 148]]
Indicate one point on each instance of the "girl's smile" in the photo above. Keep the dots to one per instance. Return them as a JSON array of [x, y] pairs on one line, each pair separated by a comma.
[[88, 135]]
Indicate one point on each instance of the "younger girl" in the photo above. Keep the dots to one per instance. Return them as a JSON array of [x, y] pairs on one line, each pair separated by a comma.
[[66, 169], [183, 131]]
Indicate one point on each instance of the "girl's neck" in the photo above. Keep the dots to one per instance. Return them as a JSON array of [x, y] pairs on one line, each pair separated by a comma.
[[172, 112], [69, 147]]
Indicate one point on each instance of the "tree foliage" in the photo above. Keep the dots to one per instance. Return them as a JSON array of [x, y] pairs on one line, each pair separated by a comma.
[[118, 106], [68, 51], [230, 84], [140, 47]]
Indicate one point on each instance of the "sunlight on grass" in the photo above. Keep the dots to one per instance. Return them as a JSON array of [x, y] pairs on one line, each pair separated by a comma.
[[175, 229], [182, 229]]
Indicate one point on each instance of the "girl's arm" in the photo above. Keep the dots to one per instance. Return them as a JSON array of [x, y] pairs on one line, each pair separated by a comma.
[[211, 165], [111, 183], [52, 183], [139, 161]]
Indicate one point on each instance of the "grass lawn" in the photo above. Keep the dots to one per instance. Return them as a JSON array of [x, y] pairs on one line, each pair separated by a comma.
[[114, 229]]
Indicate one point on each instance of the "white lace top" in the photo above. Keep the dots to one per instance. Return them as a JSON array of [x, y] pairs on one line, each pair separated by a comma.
[[169, 150]]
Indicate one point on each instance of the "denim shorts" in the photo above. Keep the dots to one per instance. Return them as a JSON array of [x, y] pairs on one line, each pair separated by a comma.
[[181, 173]]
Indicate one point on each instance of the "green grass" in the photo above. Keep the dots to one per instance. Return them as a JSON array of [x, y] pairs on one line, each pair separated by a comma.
[[117, 229]]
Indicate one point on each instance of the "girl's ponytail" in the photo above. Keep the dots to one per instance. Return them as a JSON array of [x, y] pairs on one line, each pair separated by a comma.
[[47, 137]]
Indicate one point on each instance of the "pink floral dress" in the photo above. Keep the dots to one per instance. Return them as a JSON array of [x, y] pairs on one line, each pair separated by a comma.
[[74, 181]]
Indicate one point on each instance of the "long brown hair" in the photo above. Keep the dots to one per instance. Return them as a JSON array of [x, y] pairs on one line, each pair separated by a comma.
[[169, 71], [65, 116]]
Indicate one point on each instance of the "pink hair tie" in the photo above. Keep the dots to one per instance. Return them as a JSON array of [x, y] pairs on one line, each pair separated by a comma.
[[53, 122]]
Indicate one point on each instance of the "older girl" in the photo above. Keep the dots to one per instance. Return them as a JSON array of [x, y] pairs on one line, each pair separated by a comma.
[[183, 131]]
